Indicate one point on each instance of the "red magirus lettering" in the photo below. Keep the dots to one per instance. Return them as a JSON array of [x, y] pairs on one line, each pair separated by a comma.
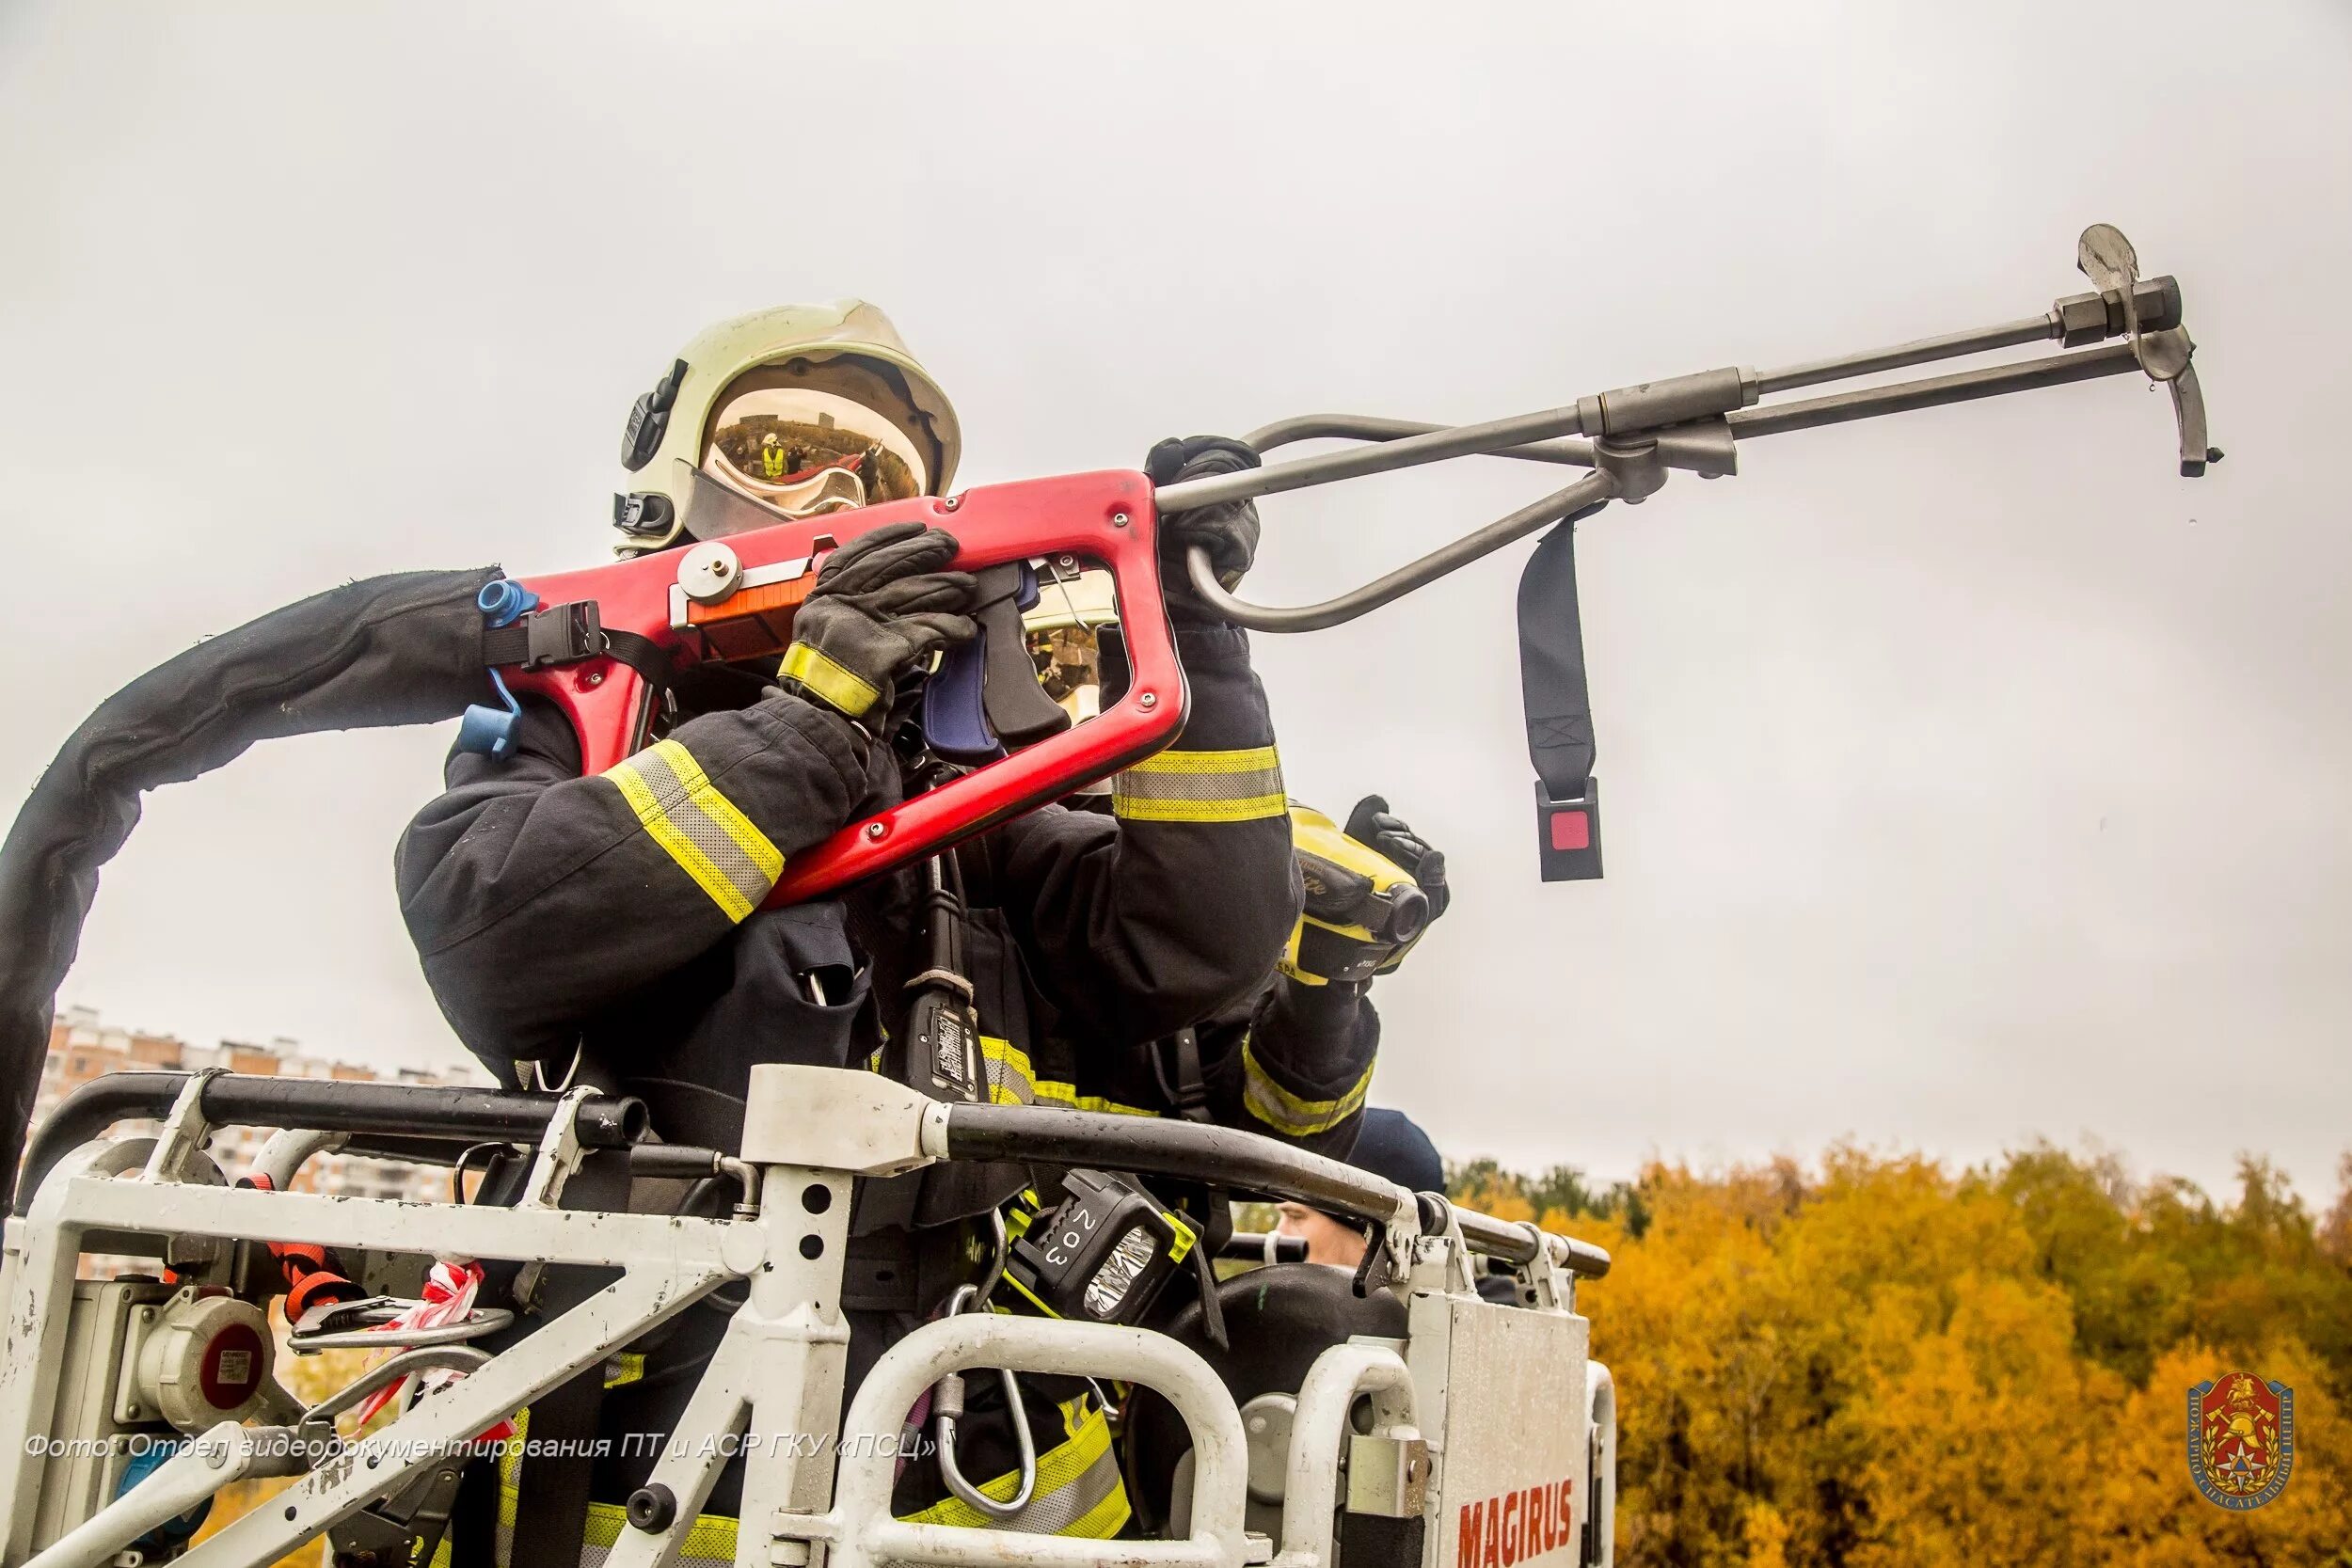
[[1512, 1526]]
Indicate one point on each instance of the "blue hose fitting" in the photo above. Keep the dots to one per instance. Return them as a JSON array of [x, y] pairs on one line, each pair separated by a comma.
[[490, 731]]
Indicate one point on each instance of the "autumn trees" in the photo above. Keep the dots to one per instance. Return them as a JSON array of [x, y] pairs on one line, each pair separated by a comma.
[[1880, 1363]]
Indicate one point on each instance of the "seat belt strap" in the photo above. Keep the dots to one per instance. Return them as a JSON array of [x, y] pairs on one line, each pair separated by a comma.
[[1559, 708]]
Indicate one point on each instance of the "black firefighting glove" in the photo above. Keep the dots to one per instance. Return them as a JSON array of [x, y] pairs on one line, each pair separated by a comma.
[[1373, 823], [881, 604], [1227, 531]]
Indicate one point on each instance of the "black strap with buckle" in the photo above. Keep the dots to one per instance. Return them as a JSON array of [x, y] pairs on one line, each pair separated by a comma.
[[1559, 708], [567, 634], [558, 634]]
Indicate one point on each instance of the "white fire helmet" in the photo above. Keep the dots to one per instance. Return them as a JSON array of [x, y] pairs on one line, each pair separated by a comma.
[[790, 412]]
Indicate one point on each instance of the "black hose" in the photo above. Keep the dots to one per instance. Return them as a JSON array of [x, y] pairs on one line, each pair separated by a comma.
[[405, 649]]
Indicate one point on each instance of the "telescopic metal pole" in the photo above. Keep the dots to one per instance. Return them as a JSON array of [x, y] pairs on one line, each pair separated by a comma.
[[1634, 411], [1655, 426]]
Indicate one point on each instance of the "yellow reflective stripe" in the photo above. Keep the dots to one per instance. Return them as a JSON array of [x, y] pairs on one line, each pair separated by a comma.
[[844, 689], [441, 1558], [1250, 760], [1291, 1114], [510, 1492], [1012, 1080], [1068, 1097], [1248, 809], [1078, 1491], [1201, 786], [1105, 1520], [700, 829], [710, 1540]]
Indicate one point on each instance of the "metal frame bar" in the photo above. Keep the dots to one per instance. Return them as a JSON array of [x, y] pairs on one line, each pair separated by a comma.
[[1581, 500], [1319, 1425], [1600, 1421], [780, 1367], [669, 1263], [429, 1115], [860, 1531]]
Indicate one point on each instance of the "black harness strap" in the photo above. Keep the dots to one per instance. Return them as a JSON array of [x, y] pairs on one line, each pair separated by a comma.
[[1189, 1091], [1559, 708], [563, 634], [552, 1483], [559, 634], [642, 654], [1189, 1096]]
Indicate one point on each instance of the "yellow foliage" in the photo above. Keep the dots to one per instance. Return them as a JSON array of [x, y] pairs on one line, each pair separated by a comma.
[[1503, 1203], [1766, 1533], [2149, 1514], [1882, 1365]]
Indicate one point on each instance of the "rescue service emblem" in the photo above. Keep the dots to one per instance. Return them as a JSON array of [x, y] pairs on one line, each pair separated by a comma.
[[2241, 1439]]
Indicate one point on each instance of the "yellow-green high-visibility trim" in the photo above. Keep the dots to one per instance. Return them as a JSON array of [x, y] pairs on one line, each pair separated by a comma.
[[700, 829], [1294, 1116], [1012, 1080], [1201, 786], [1078, 1490], [710, 1540], [850, 692]]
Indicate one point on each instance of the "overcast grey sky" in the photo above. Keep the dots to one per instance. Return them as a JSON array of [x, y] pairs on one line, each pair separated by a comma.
[[1970, 777]]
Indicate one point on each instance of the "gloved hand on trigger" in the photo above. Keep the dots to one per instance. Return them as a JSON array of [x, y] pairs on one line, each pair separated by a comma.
[[1227, 531], [881, 605]]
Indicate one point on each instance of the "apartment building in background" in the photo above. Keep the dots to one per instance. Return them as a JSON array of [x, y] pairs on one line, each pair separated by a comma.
[[81, 1047]]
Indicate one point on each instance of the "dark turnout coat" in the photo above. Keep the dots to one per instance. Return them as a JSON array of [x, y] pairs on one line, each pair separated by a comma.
[[617, 915], [609, 926]]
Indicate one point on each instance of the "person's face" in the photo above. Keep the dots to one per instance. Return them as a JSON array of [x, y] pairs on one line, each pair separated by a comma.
[[1341, 1247]]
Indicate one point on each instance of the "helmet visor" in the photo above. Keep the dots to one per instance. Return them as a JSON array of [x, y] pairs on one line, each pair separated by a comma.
[[799, 452]]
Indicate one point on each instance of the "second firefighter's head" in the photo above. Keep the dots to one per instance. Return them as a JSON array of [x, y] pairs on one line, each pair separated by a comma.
[[790, 412]]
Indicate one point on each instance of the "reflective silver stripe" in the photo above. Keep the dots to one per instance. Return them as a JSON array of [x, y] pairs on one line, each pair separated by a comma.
[[715, 1534], [1072, 1502], [1202, 786], [1011, 1079], [1294, 1116], [1077, 1478], [712, 842]]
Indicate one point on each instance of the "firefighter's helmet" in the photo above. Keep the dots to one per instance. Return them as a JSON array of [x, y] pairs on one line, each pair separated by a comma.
[[783, 413]]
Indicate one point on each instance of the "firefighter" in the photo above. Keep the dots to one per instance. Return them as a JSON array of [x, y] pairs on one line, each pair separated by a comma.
[[607, 929]]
